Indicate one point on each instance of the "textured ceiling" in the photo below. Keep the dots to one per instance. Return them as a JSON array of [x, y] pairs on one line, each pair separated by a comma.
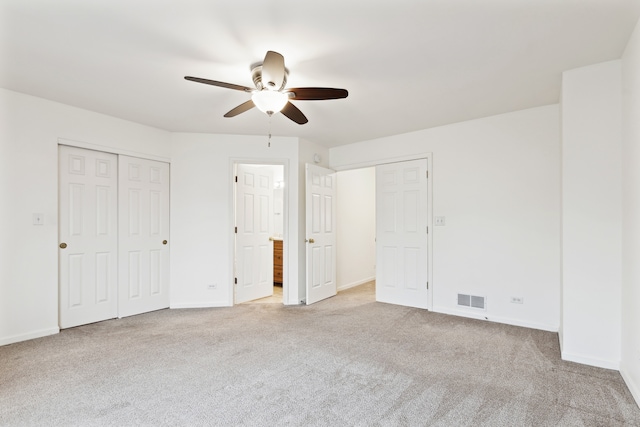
[[408, 65]]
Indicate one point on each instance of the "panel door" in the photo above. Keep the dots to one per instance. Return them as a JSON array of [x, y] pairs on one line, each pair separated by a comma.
[[88, 233], [321, 233], [254, 243], [401, 233], [143, 205]]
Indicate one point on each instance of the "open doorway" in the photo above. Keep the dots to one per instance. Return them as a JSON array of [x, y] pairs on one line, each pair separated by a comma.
[[356, 227], [259, 215]]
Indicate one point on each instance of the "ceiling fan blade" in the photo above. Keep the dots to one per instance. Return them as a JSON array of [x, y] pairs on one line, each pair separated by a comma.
[[216, 83], [294, 113], [273, 71], [245, 106], [317, 93]]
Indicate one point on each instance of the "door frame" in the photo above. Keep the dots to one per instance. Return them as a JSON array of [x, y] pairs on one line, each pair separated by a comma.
[[429, 157], [285, 221], [112, 150]]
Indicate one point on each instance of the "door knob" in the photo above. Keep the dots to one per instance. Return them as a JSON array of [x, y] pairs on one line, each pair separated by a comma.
[[164, 242], [63, 245], [271, 239], [310, 241]]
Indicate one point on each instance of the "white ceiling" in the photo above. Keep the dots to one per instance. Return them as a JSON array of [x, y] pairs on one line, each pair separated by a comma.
[[408, 64]]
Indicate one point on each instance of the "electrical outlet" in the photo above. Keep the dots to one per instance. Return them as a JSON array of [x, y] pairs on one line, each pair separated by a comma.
[[212, 287], [440, 221], [517, 300]]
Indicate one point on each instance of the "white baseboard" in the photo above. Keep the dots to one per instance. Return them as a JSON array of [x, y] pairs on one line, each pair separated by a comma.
[[591, 361], [29, 336], [482, 315], [633, 386], [214, 304], [356, 283]]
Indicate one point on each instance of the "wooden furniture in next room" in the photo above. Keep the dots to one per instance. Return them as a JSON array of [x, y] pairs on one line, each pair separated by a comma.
[[277, 262]]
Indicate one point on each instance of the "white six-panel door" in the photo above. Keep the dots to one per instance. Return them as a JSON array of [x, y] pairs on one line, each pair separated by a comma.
[[88, 236], [320, 233], [143, 205], [254, 222], [401, 233]]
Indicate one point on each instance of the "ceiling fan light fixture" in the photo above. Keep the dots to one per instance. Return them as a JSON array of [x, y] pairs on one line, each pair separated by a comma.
[[270, 95], [269, 101]]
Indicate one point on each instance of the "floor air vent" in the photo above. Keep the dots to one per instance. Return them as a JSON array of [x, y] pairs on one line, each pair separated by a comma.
[[471, 301]]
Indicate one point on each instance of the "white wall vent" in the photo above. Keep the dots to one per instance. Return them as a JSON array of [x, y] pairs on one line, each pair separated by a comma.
[[472, 301]]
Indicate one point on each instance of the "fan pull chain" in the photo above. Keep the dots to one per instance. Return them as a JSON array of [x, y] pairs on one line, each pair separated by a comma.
[[269, 141]]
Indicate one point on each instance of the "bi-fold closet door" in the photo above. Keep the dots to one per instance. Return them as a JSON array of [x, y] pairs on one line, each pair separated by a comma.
[[113, 233]]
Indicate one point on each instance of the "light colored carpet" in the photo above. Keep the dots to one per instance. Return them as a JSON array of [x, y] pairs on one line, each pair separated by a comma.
[[346, 361], [276, 298]]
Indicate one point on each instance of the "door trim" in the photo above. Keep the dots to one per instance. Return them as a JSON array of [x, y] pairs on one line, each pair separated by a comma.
[[369, 163], [112, 150], [233, 161]]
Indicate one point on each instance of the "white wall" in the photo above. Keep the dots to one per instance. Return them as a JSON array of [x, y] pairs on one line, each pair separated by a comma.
[[202, 214], [630, 352], [30, 129], [592, 217], [497, 182], [356, 227]]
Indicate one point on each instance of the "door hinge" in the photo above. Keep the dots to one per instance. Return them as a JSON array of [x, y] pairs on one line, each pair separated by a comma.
[[427, 285], [427, 229], [236, 230], [427, 174], [236, 178], [235, 280]]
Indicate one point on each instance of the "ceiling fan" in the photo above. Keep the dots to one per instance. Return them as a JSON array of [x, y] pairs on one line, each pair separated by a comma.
[[270, 95]]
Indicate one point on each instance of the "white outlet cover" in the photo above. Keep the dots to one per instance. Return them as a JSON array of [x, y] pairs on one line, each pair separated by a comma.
[[440, 220]]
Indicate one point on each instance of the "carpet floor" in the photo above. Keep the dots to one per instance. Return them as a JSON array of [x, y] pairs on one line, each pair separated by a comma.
[[345, 361]]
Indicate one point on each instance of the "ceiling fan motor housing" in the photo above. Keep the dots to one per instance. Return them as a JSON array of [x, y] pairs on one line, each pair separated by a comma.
[[256, 75]]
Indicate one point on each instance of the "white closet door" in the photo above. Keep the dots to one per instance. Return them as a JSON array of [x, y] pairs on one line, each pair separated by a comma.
[[88, 236], [143, 205], [401, 233], [321, 233]]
